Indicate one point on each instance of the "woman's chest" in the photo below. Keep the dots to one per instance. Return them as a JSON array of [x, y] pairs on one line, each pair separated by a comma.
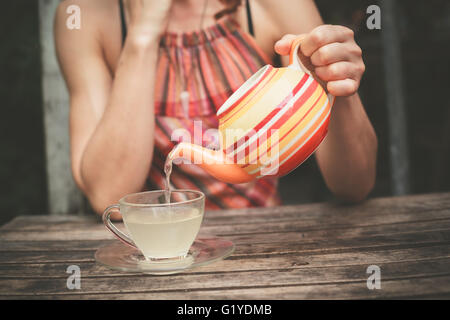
[[264, 27]]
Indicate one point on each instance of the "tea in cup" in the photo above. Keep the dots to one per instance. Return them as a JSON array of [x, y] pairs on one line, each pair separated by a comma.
[[159, 228]]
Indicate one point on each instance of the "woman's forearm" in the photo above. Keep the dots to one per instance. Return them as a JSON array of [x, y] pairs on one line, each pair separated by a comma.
[[119, 154], [347, 157]]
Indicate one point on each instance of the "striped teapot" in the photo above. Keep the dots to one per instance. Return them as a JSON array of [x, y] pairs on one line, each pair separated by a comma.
[[269, 126]]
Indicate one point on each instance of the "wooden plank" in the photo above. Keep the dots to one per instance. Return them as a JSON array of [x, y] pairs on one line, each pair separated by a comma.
[[391, 289], [304, 235], [263, 250], [381, 206], [436, 218], [224, 281], [96, 231], [417, 204], [64, 196], [290, 252], [45, 223], [302, 260]]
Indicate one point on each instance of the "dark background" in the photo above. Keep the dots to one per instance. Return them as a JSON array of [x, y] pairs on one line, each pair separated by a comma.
[[425, 44]]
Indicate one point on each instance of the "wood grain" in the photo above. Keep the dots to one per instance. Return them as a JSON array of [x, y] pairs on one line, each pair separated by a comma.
[[428, 287], [296, 252]]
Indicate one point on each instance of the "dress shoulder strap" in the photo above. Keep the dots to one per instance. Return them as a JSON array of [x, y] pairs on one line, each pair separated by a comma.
[[123, 23], [249, 18]]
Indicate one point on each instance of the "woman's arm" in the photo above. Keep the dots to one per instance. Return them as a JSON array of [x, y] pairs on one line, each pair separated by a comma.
[[347, 157], [111, 118]]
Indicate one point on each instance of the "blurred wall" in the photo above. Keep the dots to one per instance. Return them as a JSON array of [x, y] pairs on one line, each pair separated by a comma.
[[22, 167]]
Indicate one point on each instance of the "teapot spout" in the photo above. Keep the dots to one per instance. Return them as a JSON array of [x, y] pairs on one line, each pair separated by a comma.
[[212, 161]]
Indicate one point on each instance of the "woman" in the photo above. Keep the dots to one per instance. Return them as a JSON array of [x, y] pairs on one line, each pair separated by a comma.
[[138, 69]]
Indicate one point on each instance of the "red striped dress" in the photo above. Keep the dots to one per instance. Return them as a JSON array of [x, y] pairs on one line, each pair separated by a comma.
[[213, 62]]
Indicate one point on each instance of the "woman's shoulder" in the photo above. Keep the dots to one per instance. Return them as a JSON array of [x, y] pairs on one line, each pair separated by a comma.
[[97, 5], [291, 16], [89, 25], [90, 15]]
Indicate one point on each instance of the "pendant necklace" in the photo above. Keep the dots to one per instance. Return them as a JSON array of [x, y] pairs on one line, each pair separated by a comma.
[[185, 96]]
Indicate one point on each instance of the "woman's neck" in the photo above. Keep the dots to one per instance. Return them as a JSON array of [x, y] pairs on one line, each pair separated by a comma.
[[190, 15]]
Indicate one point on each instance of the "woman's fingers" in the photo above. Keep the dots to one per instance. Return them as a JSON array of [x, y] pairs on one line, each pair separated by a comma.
[[323, 43], [335, 52], [342, 88], [339, 71], [323, 35], [283, 46], [147, 15], [332, 55], [116, 216]]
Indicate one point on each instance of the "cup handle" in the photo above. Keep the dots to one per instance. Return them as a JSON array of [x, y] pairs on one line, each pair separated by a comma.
[[296, 63], [111, 227]]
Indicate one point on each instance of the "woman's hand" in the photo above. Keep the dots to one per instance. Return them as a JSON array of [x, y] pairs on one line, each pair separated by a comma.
[[334, 57], [147, 17]]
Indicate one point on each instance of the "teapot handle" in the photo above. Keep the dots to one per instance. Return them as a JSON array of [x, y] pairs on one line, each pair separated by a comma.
[[296, 63], [294, 60]]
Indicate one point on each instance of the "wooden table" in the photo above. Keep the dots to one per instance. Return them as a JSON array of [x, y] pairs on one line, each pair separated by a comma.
[[291, 252]]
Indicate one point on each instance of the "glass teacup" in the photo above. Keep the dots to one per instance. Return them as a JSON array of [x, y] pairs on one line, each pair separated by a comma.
[[161, 230]]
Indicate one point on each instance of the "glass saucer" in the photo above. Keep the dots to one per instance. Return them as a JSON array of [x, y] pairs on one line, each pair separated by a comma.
[[119, 256]]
